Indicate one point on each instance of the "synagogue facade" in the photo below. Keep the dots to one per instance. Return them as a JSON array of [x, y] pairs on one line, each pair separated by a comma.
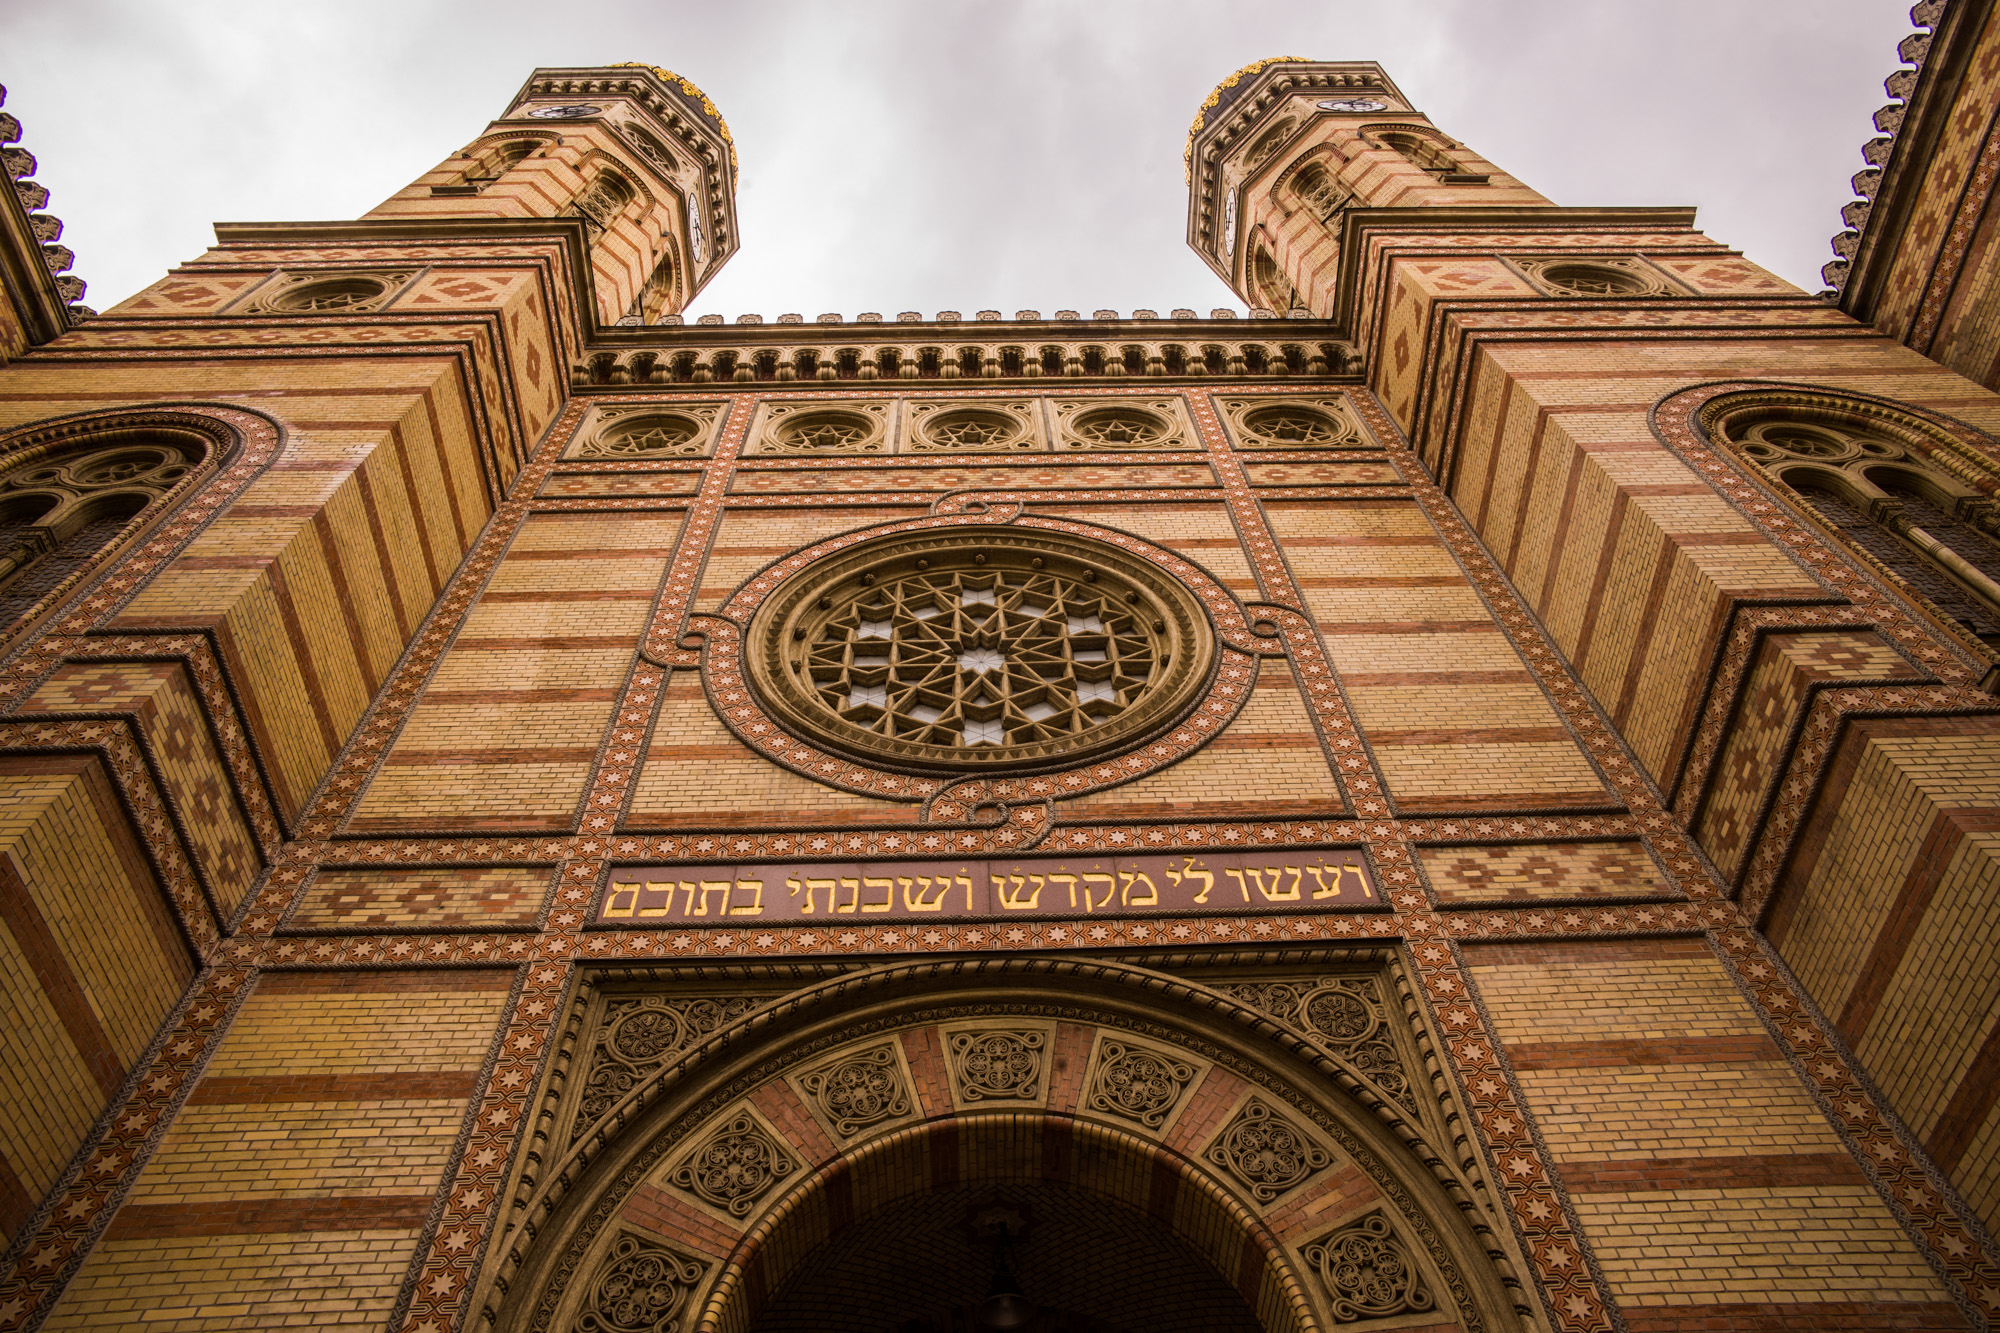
[[1464, 798]]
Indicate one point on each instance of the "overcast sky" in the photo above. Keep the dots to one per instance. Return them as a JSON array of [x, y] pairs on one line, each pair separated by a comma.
[[934, 154]]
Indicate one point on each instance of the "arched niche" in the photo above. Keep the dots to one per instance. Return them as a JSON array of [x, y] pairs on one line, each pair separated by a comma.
[[829, 1154], [1894, 486], [76, 493]]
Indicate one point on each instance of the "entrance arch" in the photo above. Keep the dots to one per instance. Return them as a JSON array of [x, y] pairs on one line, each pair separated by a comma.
[[825, 1158]]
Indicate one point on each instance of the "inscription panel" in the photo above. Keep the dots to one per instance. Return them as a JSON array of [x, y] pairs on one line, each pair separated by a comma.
[[1233, 883]]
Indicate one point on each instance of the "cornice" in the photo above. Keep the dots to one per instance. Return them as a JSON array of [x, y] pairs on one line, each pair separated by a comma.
[[1899, 160]]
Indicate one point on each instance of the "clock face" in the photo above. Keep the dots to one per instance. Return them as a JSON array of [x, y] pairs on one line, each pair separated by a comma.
[[1354, 104], [565, 112]]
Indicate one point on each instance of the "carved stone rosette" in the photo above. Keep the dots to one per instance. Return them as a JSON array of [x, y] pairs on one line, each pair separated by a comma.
[[640, 1287], [1368, 1272], [997, 1066], [1138, 1084], [1346, 1016], [859, 1090], [635, 1037], [1267, 1152], [735, 1166]]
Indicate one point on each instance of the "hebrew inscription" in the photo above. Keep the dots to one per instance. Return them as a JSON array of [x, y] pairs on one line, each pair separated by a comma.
[[1231, 883]]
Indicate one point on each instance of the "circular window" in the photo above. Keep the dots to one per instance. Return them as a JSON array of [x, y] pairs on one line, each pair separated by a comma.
[[825, 430], [1594, 280], [971, 428], [1291, 424], [1118, 426], [330, 294], [647, 433], [980, 648]]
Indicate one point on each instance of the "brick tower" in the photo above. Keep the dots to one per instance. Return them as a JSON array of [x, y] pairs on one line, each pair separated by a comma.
[[1459, 799]]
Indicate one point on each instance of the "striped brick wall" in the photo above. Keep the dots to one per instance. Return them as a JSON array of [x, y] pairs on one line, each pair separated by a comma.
[[299, 1174], [91, 962], [1711, 1188]]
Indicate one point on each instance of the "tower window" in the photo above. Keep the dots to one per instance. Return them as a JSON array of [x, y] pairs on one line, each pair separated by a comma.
[[488, 167], [1888, 497], [1431, 156], [59, 512], [1320, 193]]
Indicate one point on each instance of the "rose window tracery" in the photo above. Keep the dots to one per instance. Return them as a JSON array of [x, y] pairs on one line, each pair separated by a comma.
[[988, 648], [1291, 424], [1122, 426], [649, 433], [332, 294], [971, 428], [826, 430]]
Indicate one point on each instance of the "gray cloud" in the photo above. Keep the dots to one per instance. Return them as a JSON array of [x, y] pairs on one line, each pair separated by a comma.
[[918, 154]]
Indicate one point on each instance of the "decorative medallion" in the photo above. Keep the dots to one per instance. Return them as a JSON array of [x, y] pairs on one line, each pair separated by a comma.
[[1266, 1152], [641, 1287], [1138, 1084], [997, 1066], [1368, 1272], [859, 1090], [736, 1166], [980, 649]]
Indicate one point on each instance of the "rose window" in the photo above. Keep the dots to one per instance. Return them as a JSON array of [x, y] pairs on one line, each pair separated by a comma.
[[971, 428], [1293, 425], [331, 294], [980, 648], [1594, 280], [826, 430], [1118, 426], [651, 433]]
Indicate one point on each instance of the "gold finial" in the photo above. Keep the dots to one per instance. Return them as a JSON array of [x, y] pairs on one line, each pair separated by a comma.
[[687, 86], [1201, 116]]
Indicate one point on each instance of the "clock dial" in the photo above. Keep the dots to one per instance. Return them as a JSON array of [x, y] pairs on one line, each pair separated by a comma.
[[565, 112], [1353, 104]]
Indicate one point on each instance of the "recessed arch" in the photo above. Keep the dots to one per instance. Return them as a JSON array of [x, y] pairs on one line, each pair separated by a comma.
[[629, 1185]]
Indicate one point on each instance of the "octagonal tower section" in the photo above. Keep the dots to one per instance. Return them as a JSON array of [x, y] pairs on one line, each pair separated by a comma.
[[1284, 149], [638, 152]]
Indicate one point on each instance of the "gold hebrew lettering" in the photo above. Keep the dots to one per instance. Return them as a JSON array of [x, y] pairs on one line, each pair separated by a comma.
[[923, 900], [755, 907], [853, 887], [1014, 891], [1131, 878], [687, 901], [1110, 887], [622, 899], [1187, 871], [888, 887], [1323, 891], [1241, 887], [660, 889], [725, 887], [1360, 877], [829, 885], [1068, 881]]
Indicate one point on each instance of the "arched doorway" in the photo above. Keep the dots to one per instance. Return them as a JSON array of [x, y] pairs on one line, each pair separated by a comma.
[[1141, 1151]]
